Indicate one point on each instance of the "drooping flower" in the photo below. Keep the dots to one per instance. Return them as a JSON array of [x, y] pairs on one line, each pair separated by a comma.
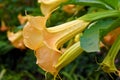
[[47, 41]]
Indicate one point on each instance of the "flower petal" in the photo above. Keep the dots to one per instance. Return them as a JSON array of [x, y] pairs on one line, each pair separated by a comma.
[[38, 22], [32, 37], [48, 6], [22, 19], [110, 38], [16, 39], [47, 58]]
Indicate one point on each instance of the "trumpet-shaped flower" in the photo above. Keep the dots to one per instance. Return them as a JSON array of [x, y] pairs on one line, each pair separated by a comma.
[[47, 41], [48, 6]]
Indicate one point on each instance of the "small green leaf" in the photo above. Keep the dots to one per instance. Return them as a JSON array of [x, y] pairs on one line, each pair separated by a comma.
[[113, 26], [90, 39], [96, 3], [112, 3]]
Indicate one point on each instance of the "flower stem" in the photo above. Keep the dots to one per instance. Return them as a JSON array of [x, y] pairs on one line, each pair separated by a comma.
[[100, 15]]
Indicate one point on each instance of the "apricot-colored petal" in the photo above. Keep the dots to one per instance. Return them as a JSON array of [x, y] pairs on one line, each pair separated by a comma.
[[16, 39], [22, 19], [19, 43], [70, 8], [32, 37], [48, 6], [38, 22], [14, 36], [39, 1], [47, 58]]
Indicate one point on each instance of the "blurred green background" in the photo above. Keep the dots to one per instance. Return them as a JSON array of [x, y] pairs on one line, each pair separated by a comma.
[[16, 64]]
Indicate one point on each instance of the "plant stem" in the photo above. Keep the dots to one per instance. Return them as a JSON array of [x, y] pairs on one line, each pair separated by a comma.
[[108, 63], [100, 15]]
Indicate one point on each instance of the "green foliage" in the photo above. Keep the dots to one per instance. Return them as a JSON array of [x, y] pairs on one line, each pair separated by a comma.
[[90, 39], [5, 45], [112, 3], [95, 3]]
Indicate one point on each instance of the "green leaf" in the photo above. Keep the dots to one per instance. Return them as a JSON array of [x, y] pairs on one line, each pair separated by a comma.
[[118, 4], [95, 32], [90, 38], [112, 3], [96, 3], [113, 26]]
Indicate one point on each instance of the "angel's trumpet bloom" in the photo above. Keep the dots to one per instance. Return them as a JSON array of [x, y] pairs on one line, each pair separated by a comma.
[[47, 41], [108, 63], [48, 6], [16, 39]]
